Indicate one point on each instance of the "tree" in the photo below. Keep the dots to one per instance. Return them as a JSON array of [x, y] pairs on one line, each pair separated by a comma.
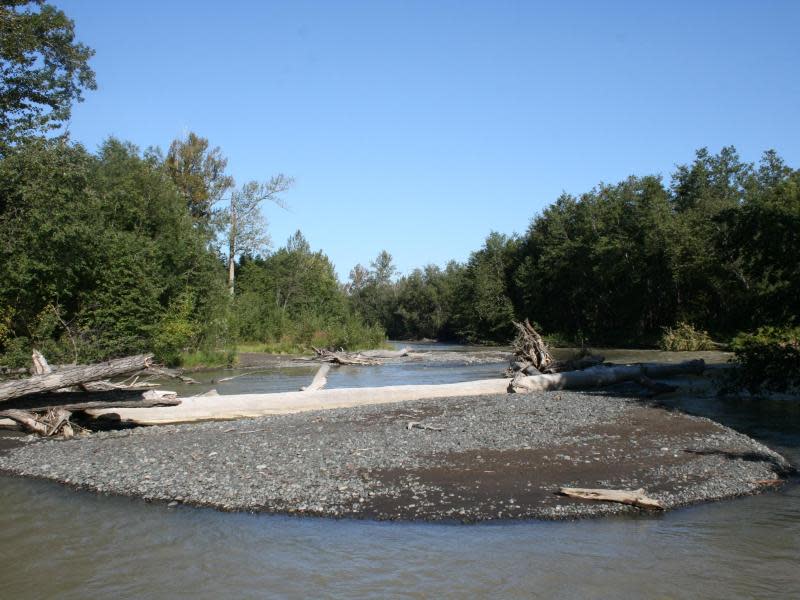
[[383, 268], [199, 174], [246, 228], [43, 70]]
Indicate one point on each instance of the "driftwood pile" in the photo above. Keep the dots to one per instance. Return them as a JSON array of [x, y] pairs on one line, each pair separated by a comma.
[[532, 357], [369, 357], [47, 393]]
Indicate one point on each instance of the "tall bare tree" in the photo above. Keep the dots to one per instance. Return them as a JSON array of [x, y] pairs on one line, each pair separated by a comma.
[[243, 222]]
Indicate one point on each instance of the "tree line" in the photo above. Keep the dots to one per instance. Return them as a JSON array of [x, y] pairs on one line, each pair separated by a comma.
[[716, 247], [123, 250]]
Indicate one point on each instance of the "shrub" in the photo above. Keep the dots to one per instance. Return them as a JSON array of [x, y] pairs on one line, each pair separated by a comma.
[[685, 338], [176, 330], [768, 359]]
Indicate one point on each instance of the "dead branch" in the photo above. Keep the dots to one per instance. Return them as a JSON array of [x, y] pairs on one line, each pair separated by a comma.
[[418, 425]]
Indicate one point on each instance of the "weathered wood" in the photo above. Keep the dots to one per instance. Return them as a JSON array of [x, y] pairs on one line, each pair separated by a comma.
[[55, 422], [418, 425], [602, 376], [319, 381], [631, 497], [73, 376], [94, 404], [342, 358], [529, 347], [199, 408]]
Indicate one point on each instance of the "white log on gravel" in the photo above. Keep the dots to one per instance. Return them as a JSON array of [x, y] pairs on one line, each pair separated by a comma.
[[205, 408]]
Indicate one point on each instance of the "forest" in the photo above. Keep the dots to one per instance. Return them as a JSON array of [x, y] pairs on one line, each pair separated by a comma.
[[125, 250]]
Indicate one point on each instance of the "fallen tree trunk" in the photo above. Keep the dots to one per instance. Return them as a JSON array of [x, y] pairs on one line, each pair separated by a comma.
[[632, 497], [199, 408], [319, 381], [343, 358], [72, 376], [91, 404], [603, 376]]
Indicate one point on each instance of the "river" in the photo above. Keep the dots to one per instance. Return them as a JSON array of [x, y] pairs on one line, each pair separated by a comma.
[[56, 542]]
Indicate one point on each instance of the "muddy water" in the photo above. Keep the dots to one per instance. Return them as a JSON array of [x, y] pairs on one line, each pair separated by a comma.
[[55, 542]]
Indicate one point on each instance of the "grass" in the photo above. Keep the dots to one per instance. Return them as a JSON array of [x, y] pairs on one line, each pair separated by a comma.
[[206, 359]]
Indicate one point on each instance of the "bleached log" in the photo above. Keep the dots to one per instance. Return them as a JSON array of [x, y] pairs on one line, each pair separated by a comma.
[[632, 497], [235, 406], [603, 376], [72, 376], [319, 381]]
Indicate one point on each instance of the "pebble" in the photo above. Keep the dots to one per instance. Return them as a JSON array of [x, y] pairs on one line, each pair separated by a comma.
[[328, 462]]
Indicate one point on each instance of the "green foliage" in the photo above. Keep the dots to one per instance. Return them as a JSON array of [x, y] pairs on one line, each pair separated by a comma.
[[768, 359], [198, 173], [44, 69], [685, 338], [291, 301], [716, 247], [207, 359], [176, 331], [107, 240]]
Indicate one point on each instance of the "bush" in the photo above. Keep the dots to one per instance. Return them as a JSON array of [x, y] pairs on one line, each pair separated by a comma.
[[176, 330], [685, 338], [768, 359]]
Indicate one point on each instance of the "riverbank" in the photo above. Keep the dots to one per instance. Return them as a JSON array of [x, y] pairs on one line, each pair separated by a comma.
[[495, 457]]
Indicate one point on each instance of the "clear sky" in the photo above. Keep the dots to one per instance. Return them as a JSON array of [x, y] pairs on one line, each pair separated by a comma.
[[419, 126]]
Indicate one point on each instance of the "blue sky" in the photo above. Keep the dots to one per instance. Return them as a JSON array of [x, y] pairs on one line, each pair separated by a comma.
[[418, 127]]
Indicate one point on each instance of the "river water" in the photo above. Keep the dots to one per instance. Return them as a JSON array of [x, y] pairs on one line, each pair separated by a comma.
[[59, 543]]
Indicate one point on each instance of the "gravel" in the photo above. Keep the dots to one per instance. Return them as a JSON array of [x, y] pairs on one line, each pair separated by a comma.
[[497, 457]]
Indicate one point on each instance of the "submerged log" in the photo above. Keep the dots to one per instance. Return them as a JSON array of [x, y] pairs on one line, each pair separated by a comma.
[[72, 376], [632, 497], [199, 408]]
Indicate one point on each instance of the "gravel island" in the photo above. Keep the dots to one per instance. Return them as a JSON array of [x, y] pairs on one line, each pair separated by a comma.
[[462, 459]]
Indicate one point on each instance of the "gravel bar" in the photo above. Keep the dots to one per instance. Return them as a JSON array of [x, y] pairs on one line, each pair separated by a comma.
[[472, 459]]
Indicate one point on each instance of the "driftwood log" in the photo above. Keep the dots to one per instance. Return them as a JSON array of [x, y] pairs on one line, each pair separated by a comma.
[[345, 358], [632, 497], [200, 408], [319, 381], [601, 376], [71, 376]]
